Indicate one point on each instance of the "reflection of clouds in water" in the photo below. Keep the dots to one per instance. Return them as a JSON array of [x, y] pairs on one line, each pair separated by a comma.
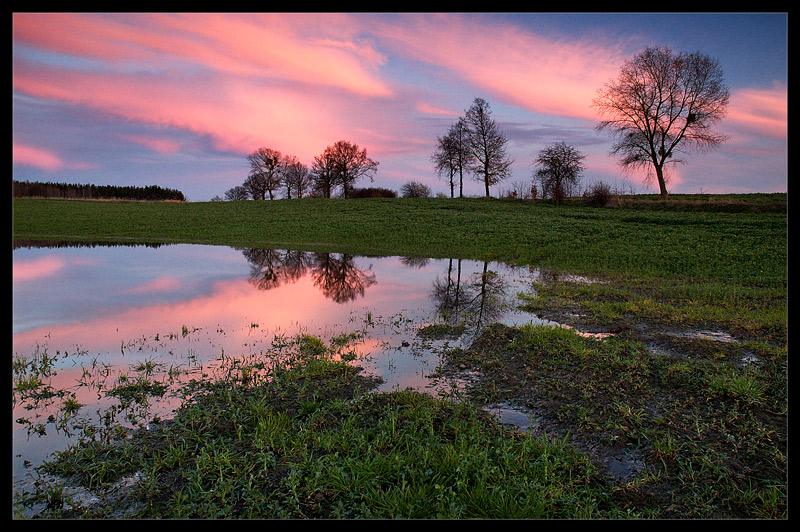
[[37, 268], [284, 291], [239, 308]]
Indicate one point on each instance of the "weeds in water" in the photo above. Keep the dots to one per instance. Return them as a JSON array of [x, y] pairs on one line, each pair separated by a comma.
[[311, 439]]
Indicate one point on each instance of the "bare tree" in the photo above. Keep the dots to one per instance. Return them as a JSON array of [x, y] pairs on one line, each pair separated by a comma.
[[559, 169], [236, 193], [265, 173], [296, 177], [323, 173], [351, 163], [452, 155], [444, 162], [487, 145], [662, 103], [415, 189]]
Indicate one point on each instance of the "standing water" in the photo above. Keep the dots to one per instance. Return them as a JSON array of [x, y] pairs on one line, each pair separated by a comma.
[[89, 317]]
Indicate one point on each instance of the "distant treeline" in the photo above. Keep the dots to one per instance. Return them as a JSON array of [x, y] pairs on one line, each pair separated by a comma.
[[68, 190]]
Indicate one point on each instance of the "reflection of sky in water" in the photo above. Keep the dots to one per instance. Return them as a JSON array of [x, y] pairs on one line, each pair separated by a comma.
[[100, 297], [54, 286], [119, 305]]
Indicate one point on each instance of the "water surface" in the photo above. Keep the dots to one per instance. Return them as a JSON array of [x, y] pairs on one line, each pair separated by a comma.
[[105, 310]]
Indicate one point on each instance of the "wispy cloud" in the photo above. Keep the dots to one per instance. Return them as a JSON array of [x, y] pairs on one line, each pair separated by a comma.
[[761, 111], [299, 82], [510, 63], [42, 159], [35, 157]]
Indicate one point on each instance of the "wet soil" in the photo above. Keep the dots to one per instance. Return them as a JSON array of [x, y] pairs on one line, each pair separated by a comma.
[[614, 415]]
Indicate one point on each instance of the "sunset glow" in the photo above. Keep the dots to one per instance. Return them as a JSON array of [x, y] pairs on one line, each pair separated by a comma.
[[140, 99]]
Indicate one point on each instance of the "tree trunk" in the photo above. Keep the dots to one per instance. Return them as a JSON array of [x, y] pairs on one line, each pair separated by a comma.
[[661, 184]]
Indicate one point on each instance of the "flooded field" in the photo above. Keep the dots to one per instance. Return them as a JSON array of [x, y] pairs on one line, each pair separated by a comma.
[[94, 317]]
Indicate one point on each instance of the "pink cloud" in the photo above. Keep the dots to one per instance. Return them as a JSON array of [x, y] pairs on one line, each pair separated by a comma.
[[536, 73], [160, 145], [264, 45], [37, 269], [235, 78], [29, 156], [427, 108], [761, 111]]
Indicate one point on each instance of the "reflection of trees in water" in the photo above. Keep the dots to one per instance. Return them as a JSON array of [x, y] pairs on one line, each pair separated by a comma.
[[414, 262], [338, 278], [334, 274], [473, 302]]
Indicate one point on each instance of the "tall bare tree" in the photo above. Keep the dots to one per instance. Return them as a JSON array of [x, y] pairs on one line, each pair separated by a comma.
[[452, 155], [443, 160], [265, 173], [487, 145], [660, 104]]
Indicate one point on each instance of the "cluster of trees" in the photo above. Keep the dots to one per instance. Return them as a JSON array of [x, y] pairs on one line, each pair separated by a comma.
[[336, 170], [75, 191], [474, 143], [661, 103]]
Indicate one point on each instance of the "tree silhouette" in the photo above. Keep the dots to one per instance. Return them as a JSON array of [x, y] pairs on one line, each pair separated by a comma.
[[452, 155], [487, 145], [338, 277], [265, 173], [660, 103], [560, 168]]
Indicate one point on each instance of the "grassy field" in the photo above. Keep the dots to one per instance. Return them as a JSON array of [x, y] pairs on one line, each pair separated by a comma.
[[690, 239], [705, 427]]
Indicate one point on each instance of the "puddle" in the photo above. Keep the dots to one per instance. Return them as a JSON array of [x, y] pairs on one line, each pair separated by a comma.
[[98, 314], [625, 466], [521, 420], [718, 336]]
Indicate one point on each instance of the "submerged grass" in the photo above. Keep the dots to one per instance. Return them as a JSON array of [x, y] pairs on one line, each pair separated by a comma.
[[309, 440]]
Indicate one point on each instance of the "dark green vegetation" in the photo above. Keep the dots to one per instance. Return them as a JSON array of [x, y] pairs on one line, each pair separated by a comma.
[[680, 412], [27, 189]]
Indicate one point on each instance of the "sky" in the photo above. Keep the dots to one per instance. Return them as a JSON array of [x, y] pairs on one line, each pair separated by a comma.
[[179, 100]]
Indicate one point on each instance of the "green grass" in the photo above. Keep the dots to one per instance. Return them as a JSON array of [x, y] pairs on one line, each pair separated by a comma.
[[708, 428], [709, 432], [308, 440], [746, 248]]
